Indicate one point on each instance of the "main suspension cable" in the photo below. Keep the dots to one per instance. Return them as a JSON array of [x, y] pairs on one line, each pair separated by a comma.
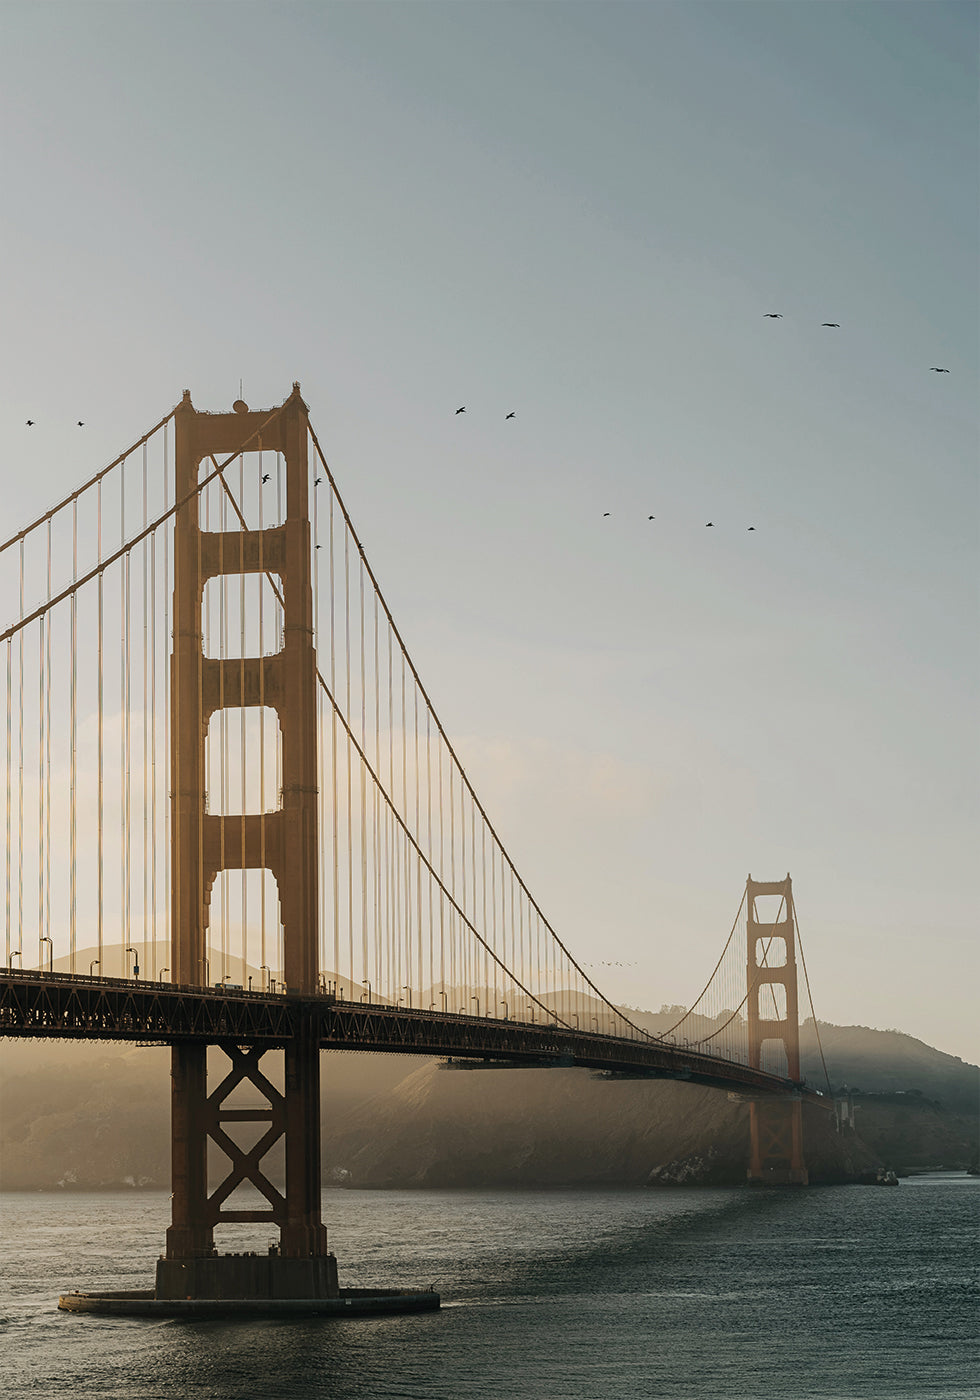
[[446, 740], [86, 486]]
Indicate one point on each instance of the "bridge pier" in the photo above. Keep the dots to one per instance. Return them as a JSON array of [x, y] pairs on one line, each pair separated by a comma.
[[775, 1126]]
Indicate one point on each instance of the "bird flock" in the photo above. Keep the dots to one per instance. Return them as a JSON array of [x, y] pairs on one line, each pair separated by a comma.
[[835, 326], [766, 316]]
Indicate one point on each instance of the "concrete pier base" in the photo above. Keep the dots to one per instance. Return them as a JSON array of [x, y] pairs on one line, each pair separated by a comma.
[[271, 1275], [250, 1285], [350, 1302]]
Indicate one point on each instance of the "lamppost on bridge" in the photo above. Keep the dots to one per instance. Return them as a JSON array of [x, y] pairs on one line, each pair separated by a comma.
[[409, 990], [265, 981], [16, 953], [162, 971], [45, 939], [136, 961], [477, 1000], [93, 963], [367, 996], [445, 1001], [504, 1005]]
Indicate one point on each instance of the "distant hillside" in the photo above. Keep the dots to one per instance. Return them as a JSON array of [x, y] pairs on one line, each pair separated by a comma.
[[86, 1115]]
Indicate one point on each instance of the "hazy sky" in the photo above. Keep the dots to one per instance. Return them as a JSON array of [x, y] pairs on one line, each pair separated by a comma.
[[579, 212]]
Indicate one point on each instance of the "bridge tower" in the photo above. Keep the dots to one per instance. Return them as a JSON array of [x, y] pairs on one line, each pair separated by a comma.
[[204, 843], [775, 1125]]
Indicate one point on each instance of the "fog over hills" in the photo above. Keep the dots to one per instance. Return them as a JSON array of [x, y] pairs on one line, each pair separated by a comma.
[[84, 1115]]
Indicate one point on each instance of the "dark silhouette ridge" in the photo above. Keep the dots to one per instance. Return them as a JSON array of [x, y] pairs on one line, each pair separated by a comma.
[[83, 1116]]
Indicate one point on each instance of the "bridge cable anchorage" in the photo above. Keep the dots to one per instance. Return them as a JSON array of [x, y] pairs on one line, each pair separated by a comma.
[[451, 750], [379, 785]]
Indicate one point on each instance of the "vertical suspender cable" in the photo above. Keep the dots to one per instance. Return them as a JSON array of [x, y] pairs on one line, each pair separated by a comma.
[[418, 838], [442, 883], [73, 757], [145, 774], [20, 769], [166, 678], [320, 757], [100, 802], [428, 843], [223, 721], [347, 712], [203, 629], [262, 801], [333, 750], [408, 970], [378, 873], [47, 762], [40, 790], [242, 714], [153, 754], [10, 666], [363, 791]]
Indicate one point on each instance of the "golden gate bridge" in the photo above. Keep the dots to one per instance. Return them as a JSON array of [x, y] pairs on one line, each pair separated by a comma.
[[220, 759]]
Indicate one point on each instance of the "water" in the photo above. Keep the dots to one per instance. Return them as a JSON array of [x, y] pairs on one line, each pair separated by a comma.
[[843, 1293]]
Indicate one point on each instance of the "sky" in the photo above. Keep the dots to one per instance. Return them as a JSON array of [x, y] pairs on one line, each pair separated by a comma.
[[580, 213]]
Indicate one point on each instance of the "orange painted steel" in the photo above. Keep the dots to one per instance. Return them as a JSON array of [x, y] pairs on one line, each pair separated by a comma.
[[284, 841], [775, 1127]]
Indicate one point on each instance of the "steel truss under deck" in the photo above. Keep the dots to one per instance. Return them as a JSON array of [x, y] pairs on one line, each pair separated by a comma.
[[62, 1005]]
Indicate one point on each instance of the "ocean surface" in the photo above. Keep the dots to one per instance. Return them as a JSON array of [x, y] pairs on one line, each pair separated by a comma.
[[840, 1293]]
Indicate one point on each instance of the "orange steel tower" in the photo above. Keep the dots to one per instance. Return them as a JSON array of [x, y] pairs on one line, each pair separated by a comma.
[[283, 841], [775, 1125]]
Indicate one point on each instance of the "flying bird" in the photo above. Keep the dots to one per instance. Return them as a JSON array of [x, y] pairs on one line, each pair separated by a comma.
[[936, 370], [460, 410], [30, 422], [710, 525], [80, 424], [318, 480], [265, 478], [651, 517], [606, 514], [835, 325], [510, 415], [772, 316], [751, 527]]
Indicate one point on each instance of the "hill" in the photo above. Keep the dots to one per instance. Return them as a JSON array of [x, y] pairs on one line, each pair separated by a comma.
[[89, 1116]]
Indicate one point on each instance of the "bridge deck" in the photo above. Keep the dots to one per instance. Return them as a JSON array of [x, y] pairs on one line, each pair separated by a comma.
[[68, 1006]]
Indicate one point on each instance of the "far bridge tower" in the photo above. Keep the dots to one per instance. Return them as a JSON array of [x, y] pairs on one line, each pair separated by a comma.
[[775, 1125]]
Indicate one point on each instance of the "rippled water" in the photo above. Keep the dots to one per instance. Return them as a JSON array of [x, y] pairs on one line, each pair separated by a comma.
[[842, 1293]]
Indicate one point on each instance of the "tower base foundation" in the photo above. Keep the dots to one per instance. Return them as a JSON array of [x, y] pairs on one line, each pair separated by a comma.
[[247, 1276]]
